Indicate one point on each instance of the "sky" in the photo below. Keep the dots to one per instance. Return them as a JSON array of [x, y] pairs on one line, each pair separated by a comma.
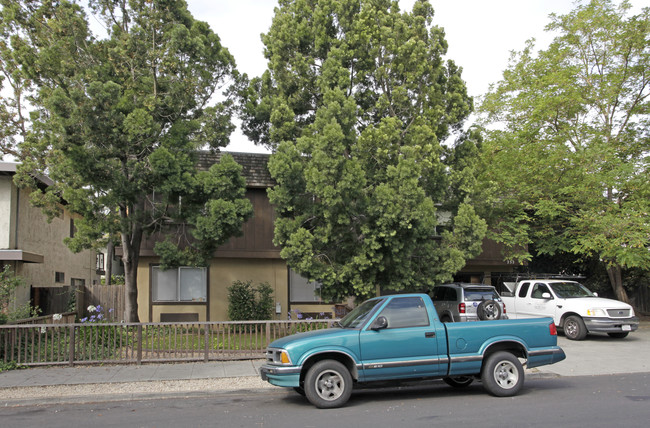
[[481, 35]]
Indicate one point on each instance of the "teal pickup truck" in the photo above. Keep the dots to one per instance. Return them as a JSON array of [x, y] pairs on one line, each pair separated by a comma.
[[400, 337]]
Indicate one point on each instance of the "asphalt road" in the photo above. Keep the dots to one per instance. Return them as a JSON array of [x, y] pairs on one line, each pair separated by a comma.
[[581, 401]]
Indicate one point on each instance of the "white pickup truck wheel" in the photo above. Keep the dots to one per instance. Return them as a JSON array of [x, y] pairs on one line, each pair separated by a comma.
[[502, 374], [328, 384], [574, 328]]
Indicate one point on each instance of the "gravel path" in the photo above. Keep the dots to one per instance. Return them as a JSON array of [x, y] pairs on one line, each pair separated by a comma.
[[90, 391]]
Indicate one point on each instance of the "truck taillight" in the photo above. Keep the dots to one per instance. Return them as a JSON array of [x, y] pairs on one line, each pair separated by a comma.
[[461, 308], [504, 307], [553, 329]]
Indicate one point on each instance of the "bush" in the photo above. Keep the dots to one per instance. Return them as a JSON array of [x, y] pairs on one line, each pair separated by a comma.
[[9, 310], [246, 303]]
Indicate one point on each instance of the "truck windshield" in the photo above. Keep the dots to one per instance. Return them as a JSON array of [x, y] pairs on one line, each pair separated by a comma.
[[359, 314], [568, 290], [477, 294]]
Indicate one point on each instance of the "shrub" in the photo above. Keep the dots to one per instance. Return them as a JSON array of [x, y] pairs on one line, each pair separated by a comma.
[[246, 303], [9, 310]]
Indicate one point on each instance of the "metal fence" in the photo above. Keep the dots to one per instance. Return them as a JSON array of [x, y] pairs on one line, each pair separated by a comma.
[[88, 343]]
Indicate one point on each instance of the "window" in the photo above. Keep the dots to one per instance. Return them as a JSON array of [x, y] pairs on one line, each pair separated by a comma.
[[406, 312], [183, 284], [77, 282], [539, 290], [99, 262], [59, 277], [301, 290], [524, 289]]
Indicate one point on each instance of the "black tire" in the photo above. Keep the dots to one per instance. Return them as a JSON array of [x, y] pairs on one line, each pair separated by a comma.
[[459, 381], [502, 374], [619, 335], [328, 384], [488, 310], [574, 328], [300, 390]]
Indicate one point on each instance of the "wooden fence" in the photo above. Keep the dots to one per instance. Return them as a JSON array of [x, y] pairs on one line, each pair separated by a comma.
[[109, 297], [88, 343]]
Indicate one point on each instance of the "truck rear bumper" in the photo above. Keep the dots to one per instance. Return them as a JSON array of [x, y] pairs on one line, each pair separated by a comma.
[[541, 357], [609, 325]]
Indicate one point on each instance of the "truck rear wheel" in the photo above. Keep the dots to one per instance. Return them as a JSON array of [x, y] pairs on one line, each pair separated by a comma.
[[502, 374], [328, 384], [574, 328]]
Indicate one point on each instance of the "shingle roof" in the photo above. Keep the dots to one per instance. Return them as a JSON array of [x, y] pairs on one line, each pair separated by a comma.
[[254, 166]]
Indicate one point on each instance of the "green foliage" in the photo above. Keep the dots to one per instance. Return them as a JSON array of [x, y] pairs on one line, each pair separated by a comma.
[[246, 302], [118, 123], [9, 309], [356, 103], [568, 167], [115, 280], [10, 365]]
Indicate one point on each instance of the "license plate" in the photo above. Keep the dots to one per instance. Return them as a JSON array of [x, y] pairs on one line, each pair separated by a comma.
[[627, 328]]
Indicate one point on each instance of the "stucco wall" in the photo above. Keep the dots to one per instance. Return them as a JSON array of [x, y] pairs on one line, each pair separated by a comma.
[[36, 235], [221, 274]]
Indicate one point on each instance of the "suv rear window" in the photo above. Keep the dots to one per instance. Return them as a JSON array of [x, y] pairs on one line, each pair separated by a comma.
[[474, 294]]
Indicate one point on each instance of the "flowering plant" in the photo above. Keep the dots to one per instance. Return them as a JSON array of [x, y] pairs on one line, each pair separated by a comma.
[[96, 314]]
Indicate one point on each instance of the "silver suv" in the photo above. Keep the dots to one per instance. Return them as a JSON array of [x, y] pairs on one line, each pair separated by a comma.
[[468, 302]]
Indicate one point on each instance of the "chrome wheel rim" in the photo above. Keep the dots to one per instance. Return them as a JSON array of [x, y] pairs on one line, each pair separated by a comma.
[[571, 328], [506, 375], [330, 385]]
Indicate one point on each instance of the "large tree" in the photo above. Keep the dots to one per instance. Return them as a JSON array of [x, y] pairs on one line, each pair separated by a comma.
[[569, 158], [356, 103], [118, 120]]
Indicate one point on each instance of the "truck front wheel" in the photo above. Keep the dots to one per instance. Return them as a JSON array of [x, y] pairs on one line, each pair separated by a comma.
[[328, 384], [574, 328], [503, 374]]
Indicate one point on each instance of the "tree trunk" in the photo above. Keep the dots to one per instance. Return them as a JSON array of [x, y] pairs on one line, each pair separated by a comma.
[[110, 253], [131, 257], [616, 280]]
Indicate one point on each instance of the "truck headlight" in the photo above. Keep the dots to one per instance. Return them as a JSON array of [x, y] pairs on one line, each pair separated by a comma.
[[595, 312]]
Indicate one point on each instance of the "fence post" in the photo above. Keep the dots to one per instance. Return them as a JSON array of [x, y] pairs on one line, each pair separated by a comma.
[[268, 333], [139, 357], [72, 344], [206, 331]]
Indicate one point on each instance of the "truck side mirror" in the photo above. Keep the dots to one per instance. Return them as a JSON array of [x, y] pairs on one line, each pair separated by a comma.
[[547, 296], [379, 323]]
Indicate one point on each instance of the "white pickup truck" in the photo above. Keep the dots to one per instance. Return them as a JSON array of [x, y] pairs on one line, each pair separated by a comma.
[[575, 309]]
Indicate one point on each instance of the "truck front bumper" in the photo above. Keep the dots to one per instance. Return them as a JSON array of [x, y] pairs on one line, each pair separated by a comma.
[[288, 376], [611, 325]]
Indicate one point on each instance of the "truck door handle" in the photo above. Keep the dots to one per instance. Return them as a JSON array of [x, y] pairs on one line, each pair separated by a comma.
[[430, 334]]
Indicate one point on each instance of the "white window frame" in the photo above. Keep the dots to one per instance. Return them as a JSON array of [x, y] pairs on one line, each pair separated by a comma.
[[180, 294]]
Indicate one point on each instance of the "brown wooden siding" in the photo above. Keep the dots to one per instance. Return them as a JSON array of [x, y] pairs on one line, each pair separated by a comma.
[[256, 240]]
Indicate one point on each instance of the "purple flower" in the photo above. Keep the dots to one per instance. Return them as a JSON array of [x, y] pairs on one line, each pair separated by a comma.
[[100, 316], [299, 315], [84, 319]]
